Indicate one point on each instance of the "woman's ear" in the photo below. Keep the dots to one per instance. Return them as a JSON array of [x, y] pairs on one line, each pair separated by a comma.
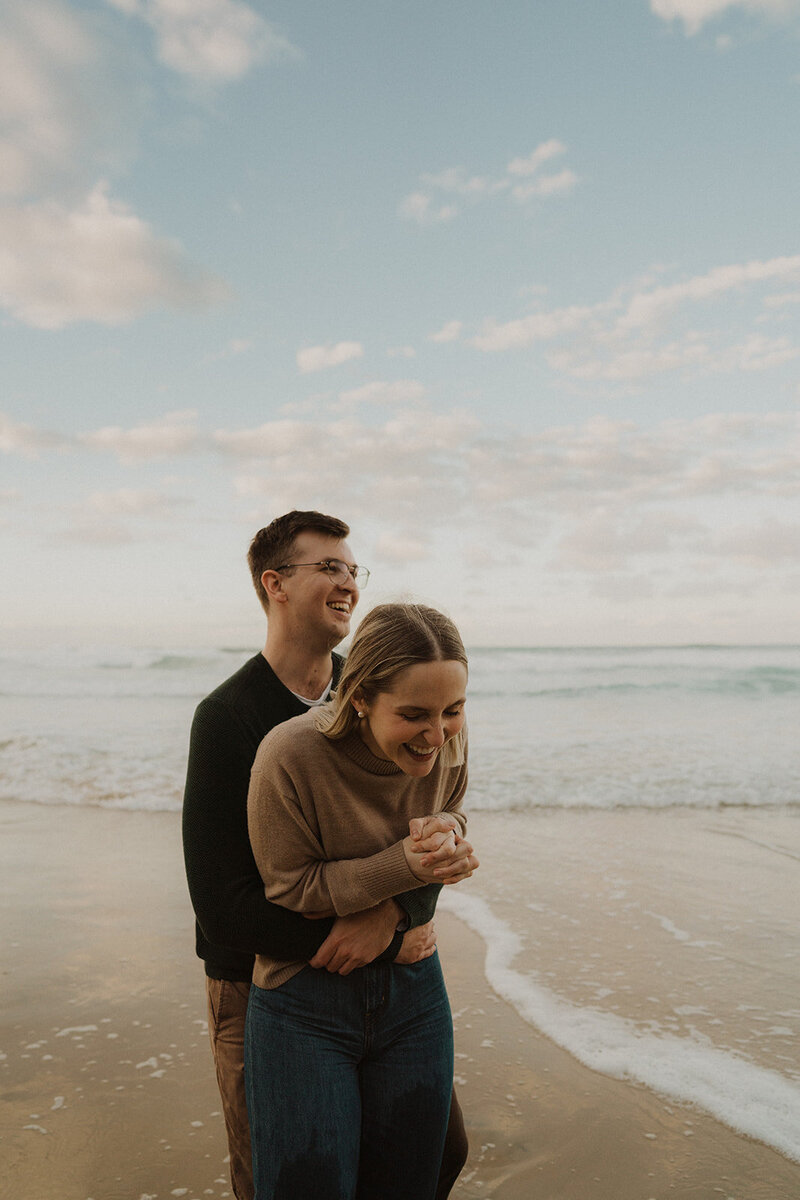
[[360, 705]]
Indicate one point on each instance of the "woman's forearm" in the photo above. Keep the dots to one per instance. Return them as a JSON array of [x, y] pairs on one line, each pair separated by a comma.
[[344, 885]]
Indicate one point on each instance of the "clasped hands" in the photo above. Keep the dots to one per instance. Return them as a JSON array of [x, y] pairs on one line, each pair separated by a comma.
[[436, 853]]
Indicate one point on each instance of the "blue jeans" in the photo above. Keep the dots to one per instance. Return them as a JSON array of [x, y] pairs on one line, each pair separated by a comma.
[[348, 1083]]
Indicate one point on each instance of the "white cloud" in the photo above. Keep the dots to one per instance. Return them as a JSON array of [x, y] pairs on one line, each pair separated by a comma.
[[405, 468], [402, 548], [209, 39], [385, 393], [546, 185], [69, 111], [781, 299], [606, 496], [348, 453], [540, 326], [421, 207], [609, 537], [456, 179], [626, 338], [95, 262], [46, 55], [626, 364], [232, 349], [756, 353], [423, 462], [97, 533], [133, 502], [765, 543], [19, 438], [317, 358], [606, 508], [274, 439], [426, 433], [583, 506], [530, 164], [122, 516], [647, 308], [630, 363], [450, 332], [165, 437], [696, 13]]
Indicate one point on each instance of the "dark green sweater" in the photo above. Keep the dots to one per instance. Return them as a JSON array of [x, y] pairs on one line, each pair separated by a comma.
[[235, 921]]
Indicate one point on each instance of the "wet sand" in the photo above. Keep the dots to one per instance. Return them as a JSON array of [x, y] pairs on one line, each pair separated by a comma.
[[107, 1084]]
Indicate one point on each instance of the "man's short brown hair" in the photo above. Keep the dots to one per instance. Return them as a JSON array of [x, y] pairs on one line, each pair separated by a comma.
[[273, 545]]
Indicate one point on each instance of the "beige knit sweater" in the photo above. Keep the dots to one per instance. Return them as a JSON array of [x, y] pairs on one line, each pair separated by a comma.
[[327, 820]]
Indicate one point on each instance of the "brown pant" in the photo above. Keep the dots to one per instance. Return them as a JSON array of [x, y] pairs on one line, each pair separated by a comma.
[[227, 1006]]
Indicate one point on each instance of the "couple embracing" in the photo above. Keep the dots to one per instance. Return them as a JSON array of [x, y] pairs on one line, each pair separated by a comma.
[[322, 814]]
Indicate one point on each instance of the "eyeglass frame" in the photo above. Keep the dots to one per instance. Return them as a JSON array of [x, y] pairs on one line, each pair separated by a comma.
[[356, 572]]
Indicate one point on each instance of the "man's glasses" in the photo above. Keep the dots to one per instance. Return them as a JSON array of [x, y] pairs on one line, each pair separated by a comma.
[[335, 569]]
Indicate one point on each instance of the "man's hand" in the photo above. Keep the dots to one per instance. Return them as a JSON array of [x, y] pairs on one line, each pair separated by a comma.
[[358, 938], [417, 944]]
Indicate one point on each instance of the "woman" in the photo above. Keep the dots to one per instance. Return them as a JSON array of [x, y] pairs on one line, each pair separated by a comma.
[[349, 1076]]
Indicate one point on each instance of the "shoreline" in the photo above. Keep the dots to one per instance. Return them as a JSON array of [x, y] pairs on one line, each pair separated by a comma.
[[107, 1078]]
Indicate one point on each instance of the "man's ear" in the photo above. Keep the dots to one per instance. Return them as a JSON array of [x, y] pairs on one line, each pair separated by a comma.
[[272, 582]]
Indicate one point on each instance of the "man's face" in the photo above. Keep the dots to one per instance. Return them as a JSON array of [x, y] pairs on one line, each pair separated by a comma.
[[315, 604]]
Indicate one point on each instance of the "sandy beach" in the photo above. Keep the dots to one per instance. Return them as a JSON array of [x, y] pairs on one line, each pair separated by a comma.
[[107, 1086]]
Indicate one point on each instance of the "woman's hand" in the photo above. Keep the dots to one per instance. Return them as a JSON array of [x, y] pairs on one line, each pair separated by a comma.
[[424, 828], [436, 852]]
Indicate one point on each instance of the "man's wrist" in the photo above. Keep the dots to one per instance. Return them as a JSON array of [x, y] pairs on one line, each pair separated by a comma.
[[402, 921], [393, 949]]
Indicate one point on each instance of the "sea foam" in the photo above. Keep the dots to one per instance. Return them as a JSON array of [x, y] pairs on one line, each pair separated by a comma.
[[752, 1100]]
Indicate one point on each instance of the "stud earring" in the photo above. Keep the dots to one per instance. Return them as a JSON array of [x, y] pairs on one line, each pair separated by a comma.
[[359, 715]]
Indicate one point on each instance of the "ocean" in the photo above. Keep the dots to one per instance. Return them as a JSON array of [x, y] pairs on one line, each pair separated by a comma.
[[637, 813], [700, 726]]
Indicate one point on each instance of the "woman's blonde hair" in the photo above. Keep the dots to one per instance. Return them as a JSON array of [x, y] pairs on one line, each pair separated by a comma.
[[391, 638]]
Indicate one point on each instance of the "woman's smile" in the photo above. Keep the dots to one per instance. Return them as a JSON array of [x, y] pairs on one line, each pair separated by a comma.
[[426, 700]]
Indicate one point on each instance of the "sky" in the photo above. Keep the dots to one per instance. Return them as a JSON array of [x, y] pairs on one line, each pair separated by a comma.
[[511, 288]]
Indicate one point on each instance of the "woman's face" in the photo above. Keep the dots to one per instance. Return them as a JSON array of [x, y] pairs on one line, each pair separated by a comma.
[[422, 711]]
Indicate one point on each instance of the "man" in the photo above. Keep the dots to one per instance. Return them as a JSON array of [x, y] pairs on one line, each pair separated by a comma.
[[308, 585]]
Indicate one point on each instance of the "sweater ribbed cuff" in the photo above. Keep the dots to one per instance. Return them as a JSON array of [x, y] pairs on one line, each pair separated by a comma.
[[356, 884]]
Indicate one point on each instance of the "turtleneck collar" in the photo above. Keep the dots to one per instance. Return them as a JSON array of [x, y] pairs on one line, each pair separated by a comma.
[[355, 748]]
